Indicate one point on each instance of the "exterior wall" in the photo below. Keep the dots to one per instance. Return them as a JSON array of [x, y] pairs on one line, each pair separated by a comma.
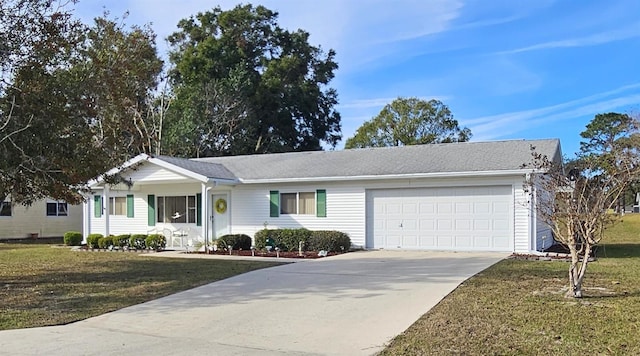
[[345, 209], [25, 221], [138, 224], [346, 206], [249, 207]]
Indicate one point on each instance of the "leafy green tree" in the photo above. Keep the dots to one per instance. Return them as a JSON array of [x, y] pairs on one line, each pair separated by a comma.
[[244, 85], [69, 96], [577, 204], [120, 69], [409, 121]]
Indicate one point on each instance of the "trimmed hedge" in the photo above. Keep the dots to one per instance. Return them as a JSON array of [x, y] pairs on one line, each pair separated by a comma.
[[329, 240], [156, 242], [289, 239], [237, 241], [92, 240], [105, 242], [121, 240], [72, 238], [138, 241]]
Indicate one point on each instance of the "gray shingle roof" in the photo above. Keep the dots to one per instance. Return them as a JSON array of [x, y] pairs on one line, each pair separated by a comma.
[[419, 159], [207, 169]]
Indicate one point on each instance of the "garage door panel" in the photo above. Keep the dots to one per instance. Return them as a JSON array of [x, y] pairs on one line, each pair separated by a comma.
[[464, 218]]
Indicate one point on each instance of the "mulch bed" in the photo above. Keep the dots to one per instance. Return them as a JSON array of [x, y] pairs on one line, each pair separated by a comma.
[[281, 254]]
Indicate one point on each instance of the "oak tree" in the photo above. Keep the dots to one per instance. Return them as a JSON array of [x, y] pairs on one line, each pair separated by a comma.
[[409, 121]]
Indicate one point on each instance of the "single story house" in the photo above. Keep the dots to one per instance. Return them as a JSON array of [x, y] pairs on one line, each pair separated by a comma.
[[455, 196], [44, 218]]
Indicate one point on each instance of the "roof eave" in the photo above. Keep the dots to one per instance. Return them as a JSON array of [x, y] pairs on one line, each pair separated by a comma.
[[391, 176]]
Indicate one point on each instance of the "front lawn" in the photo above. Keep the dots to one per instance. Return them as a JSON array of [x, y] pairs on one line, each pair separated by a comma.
[[41, 284], [518, 307]]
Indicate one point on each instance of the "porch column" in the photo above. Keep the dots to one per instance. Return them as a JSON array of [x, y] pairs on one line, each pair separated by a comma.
[[106, 209], [205, 213], [86, 218]]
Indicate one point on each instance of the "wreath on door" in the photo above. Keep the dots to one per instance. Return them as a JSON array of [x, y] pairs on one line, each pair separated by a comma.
[[221, 206]]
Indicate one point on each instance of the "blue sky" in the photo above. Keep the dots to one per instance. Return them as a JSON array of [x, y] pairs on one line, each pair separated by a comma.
[[506, 69]]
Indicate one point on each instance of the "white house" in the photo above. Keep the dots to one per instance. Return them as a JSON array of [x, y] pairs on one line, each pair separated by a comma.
[[45, 218], [454, 196]]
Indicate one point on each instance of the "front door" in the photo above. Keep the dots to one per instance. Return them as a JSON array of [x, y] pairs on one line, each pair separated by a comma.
[[220, 214]]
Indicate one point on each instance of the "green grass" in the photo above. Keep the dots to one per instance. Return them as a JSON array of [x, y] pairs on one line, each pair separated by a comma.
[[44, 285], [518, 307]]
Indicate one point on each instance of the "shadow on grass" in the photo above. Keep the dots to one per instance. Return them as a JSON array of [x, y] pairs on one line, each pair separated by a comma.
[[619, 250]]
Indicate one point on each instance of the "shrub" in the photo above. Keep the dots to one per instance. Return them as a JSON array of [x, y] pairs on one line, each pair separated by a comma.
[[105, 242], [285, 239], [156, 242], [121, 240], [237, 241], [138, 241], [92, 240], [72, 238], [329, 240]]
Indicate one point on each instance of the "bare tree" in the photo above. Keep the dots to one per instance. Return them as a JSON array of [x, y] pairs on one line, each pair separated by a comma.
[[578, 204]]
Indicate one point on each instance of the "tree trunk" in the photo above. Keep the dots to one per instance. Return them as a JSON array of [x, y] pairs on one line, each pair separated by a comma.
[[578, 269]]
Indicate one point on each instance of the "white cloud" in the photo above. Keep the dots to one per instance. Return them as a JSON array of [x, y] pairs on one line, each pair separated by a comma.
[[590, 40], [503, 125]]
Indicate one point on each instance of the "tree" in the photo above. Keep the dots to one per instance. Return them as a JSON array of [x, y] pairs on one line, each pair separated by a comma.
[[409, 121], [59, 88], [578, 204], [120, 69], [244, 85]]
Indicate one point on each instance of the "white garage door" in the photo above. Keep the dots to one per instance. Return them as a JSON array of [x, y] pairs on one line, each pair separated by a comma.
[[460, 218]]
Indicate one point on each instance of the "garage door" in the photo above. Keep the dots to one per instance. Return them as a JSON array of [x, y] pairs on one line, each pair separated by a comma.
[[460, 218]]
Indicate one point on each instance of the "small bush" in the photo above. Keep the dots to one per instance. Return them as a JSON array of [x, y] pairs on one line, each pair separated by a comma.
[[121, 240], [329, 240], [285, 239], [92, 240], [72, 238], [156, 242], [138, 241], [237, 241], [105, 242]]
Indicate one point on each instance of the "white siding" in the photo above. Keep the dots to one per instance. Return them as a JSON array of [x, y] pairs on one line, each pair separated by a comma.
[[522, 220], [25, 221], [138, 224], [149, 172], [345, 209]]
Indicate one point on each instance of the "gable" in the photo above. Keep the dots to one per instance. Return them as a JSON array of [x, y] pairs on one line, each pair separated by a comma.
[[149, 172]]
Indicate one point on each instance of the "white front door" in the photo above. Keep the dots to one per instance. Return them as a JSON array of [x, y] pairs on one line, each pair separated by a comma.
[[220, 214]]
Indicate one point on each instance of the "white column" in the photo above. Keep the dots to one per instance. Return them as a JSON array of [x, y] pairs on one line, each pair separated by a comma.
[[205, 212], [106, 209], [86, 218]]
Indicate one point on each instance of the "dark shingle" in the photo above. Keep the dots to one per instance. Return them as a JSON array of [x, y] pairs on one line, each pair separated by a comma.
[[419, 159]]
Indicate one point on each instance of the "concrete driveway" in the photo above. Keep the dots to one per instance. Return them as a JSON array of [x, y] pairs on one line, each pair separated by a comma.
[[346, 305]]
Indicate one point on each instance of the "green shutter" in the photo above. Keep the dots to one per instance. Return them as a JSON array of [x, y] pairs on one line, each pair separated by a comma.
[[274, 198], [129, 205], [199, 209], [97, 206], [151, 211], [321, 203]]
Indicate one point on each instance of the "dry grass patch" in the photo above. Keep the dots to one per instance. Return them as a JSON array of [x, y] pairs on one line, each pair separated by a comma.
[[518, 307], [41, 285]]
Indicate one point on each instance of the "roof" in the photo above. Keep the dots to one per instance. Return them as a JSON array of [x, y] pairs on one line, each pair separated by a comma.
[[207, 169], [462, 157]]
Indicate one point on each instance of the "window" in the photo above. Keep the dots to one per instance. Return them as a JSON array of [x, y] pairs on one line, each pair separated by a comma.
[[57, 208], [117, 206], [5, 208], [177, 209], [303, 203]]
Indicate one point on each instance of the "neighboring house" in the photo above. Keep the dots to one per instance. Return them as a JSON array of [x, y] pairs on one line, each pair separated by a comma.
[[44, 218], [454, 196]]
